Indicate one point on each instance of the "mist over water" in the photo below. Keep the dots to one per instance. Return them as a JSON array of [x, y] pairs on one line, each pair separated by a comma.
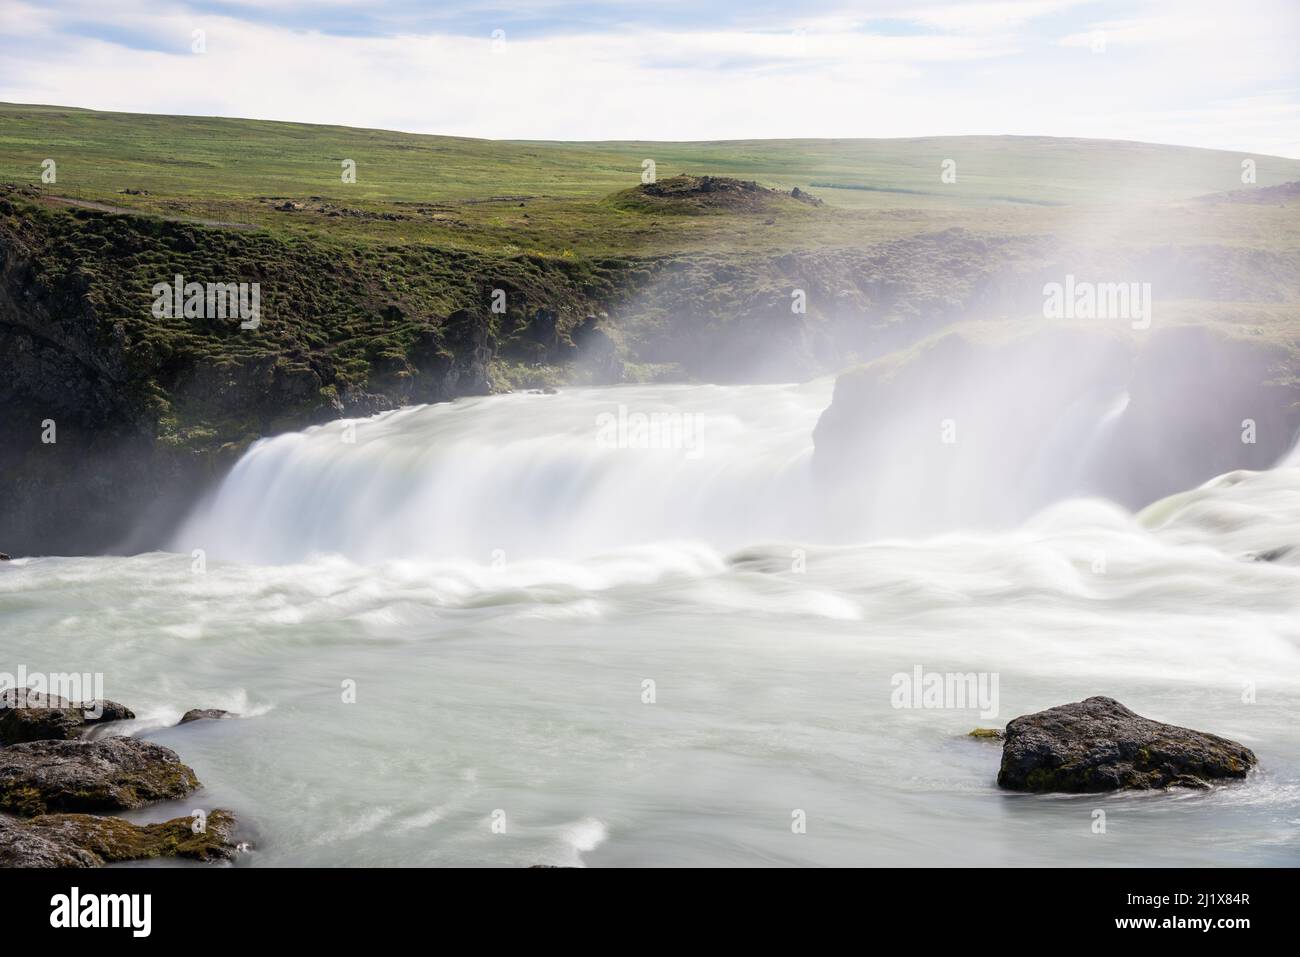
[[500, 578]]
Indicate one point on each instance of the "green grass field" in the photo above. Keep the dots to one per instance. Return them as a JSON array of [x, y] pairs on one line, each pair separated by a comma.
[[553, 198]]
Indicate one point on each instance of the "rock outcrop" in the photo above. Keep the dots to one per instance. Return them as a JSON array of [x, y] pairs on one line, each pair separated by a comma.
[[686, 193], [50, 779], [83, 840], [32, 716], [1099, 745], [115, 774], [205, 714]]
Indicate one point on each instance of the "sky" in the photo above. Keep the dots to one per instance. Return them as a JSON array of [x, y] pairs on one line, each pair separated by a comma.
[[1191, 72]]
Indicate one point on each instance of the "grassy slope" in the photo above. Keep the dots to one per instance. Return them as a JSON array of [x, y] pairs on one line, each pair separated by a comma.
[[442, 187], [232, 158]]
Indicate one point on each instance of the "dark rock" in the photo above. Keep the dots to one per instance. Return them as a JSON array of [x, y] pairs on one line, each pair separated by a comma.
[[1273, 554], [40, 777], [805, 197], [23, 846], [4, 557], [1100, 745], [27, 715], [83, 840], [203, 714], [107, 711]]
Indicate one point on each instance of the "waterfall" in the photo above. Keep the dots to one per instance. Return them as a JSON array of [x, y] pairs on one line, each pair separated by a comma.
[[523, 475], [587, 471]]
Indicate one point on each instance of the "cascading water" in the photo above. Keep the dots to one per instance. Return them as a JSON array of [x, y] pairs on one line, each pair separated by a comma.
[[587, 470], [526, 475], [642, 655]]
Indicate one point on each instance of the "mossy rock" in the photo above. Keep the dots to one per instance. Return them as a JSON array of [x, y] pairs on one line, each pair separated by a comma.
[[1099, 745], [27, 715], [84, 840], [113, 774]]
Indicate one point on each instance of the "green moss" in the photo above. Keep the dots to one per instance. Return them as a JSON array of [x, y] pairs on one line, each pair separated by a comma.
[[22, 800], [114, 840], [1042, 779]]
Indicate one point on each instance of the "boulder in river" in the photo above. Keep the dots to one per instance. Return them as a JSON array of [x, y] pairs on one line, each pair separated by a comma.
[[27, 715], [40, 777], [83, 840], [1099, 745], [206, 714]]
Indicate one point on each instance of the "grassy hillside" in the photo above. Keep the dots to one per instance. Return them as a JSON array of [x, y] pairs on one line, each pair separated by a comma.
[[239, 159], [551, 198]]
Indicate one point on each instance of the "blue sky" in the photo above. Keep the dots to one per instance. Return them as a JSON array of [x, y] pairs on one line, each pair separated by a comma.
[[1193, 72]]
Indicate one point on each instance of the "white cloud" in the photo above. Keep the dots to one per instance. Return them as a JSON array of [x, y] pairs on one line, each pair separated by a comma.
[[979, 17], [1171, 73]]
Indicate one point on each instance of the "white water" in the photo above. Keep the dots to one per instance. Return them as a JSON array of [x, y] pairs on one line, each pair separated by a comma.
[[499, 586], [523, 475]]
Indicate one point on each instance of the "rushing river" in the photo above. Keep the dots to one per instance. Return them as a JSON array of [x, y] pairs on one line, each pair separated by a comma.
[[612, 627]]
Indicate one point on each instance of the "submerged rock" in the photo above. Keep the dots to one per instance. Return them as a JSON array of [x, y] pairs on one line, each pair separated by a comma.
[[205, 714], [27, 715], [1273, 554], [40, 777], [990, 734], [1100, 745], [83, 840]]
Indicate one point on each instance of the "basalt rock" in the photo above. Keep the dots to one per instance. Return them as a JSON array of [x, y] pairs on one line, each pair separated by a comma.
[[83, 840], [205, 714], [27, 715], [42, 777], [1099, 745], [107, 711], [32, 716]]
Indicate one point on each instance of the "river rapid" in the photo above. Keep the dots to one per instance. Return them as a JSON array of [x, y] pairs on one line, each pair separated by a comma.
[[618, 627]]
